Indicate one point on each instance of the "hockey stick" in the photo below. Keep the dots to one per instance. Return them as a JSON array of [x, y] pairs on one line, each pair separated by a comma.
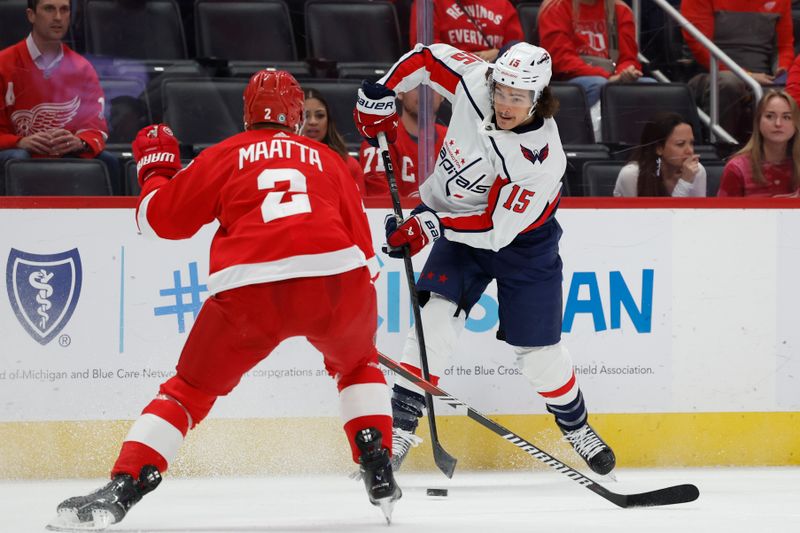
[[445, 461], [666, 496]]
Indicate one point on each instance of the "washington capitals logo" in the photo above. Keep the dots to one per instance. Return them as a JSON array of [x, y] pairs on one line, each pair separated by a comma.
[[536, 155], [43, 290]]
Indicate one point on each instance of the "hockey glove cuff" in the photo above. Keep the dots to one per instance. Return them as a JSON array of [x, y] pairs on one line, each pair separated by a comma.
[[416, 233], [157, 152], [376, 112]]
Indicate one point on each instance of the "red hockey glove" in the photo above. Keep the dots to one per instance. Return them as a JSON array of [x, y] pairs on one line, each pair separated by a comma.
[[376, 112], [416, 232], [156, 151]]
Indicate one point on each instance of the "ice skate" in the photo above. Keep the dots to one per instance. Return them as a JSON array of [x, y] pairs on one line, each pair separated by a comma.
[[107, 505], [407, 408], [592, 449], [402, 442], [376, 470]]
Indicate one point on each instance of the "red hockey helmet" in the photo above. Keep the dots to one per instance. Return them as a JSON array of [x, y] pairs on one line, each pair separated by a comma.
[[273, 96]]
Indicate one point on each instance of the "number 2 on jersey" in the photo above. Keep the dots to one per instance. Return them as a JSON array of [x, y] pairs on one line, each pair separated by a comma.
[[273, 206]]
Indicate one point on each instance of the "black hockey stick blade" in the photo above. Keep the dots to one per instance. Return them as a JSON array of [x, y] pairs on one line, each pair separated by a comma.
[[655, 498], [445, 461]]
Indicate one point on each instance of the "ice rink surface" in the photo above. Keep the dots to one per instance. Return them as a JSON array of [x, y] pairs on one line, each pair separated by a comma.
[[731, 500]]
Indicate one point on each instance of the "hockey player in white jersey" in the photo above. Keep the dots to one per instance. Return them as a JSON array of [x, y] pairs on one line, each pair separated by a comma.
[[490, 206]]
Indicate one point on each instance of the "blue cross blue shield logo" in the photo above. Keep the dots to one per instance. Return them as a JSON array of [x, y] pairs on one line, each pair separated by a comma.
[[43, 290]]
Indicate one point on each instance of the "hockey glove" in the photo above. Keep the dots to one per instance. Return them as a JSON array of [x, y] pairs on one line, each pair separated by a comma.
[[376, 112], [415, 232], [157, 152]]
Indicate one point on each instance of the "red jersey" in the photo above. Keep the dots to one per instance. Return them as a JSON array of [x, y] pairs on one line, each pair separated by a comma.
[[737, 179], [498, 21], [67, 96], [286, 205], [567, 37], [404, 152]]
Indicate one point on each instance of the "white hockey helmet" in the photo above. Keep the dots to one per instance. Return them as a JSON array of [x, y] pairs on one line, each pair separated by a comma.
[[524, 66]]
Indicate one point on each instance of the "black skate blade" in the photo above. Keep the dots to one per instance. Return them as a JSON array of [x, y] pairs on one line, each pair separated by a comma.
[[666, 496]]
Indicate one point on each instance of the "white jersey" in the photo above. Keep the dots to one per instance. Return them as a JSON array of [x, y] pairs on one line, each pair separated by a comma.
[[489, 185]]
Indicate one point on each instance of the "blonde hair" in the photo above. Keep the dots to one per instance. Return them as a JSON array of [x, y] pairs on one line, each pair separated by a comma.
[[754, 149]]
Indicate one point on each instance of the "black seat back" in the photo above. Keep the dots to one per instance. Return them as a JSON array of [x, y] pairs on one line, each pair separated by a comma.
[[14, 25], [599, 177], [528, 15], [139, 30], [244, 30], [573, 119], [203, 112], [126, 108], [352, 31], [627, 107], [57, 177], [713, 176]]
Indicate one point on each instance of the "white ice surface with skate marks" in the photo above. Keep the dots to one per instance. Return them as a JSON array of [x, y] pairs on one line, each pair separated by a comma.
[[732, 500]]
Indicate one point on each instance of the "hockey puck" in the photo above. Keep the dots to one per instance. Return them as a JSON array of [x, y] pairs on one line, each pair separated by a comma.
[[436, 492]]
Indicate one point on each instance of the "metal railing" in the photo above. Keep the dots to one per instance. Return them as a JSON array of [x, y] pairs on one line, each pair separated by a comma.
[[715, 56]]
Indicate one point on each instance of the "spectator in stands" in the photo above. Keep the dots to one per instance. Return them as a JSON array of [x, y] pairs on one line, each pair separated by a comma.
[[319, 125], [793, 80], [664, 163], [403, 151], [52, 103], [754, 35], [478, 26], [582, 49], [769, 164]]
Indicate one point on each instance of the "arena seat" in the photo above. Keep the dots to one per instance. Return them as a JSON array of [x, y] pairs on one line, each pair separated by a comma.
[[356, 39], [713, 176], [577, 135], [341, 98], [57, 177], [573, 119], [142, 36], [528, 14], [14, 25], [203, 112], [599, 177], [250, 35], [625, 108], [126, 110]]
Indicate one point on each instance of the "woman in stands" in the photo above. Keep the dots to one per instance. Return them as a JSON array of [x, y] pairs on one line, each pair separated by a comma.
[[664, 163], [319, 125], [769, 164]]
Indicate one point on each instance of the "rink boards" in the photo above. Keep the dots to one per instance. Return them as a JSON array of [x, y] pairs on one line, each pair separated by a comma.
[[681, 319]]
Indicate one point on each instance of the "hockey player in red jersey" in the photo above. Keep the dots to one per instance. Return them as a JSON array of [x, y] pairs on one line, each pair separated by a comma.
[[490, 206], [292, 230]]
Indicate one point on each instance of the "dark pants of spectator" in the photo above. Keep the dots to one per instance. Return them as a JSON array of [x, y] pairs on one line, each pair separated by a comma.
[[111, 161], [735, 102]]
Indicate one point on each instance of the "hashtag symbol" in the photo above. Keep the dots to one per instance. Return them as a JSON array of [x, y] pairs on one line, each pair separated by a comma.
[[181, 308]]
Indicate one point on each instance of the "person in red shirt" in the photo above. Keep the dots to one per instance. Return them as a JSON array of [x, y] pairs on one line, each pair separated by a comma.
[[482, 27], [293, 256], [754, 35], [51, 103], [793, 80], [575, 39], [404, 151], [319, 125], [769, 164]]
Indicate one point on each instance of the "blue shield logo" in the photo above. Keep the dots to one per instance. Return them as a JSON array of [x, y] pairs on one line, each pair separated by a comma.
[[43, 290]]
